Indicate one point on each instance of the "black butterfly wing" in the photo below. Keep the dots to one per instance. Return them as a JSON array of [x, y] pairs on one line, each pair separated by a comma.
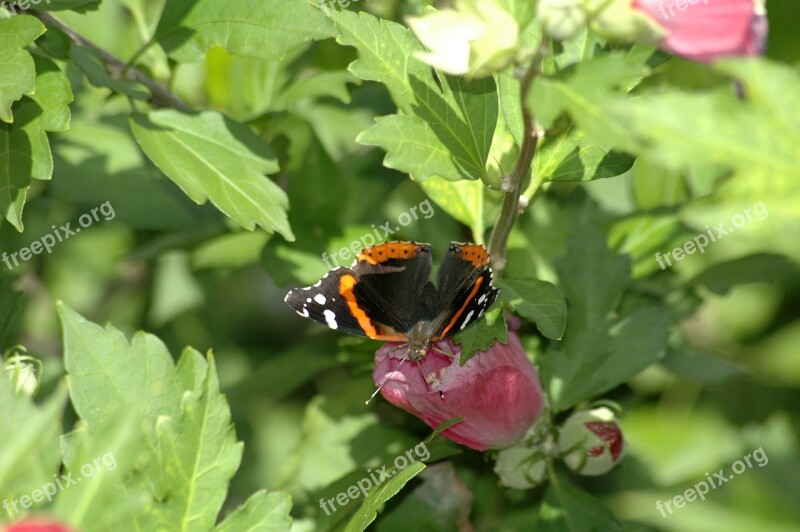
[[464, 288], [378, 297]]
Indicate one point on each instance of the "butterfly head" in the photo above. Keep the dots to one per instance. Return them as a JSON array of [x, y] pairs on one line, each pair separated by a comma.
[[419, 339]]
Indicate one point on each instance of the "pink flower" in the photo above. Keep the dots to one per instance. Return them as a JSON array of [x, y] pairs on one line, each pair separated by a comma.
[[30, 525], [705, 30], [497, 392]]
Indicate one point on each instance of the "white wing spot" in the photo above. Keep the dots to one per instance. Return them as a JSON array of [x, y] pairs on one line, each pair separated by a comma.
[[319, 298], [466, 320], [330, 319], [481, 299], [304, 313], [308, 300]]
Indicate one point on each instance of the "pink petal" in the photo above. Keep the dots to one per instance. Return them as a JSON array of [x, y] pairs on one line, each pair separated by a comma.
[[705, 29], [497, 409], [497, 392]]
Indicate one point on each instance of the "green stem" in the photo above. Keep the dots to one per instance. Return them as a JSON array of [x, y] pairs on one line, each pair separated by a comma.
[[161, 96], [129, 65], [498, 245]]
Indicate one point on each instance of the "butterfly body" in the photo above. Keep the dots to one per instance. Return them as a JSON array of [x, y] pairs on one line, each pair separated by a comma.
[[387, 294]]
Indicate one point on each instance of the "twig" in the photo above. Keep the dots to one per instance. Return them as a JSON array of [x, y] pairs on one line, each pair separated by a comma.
[[161, 96], [498, 244]]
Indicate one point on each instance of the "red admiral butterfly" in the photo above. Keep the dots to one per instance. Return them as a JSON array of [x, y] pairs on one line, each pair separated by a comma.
[[387, 294]]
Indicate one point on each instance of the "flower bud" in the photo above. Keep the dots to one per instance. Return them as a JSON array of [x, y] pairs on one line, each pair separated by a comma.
[[561, 19], [21, 370], [497, 391], [618, 20], [590, 442], [524, 465], [705, 30], [477, 39]]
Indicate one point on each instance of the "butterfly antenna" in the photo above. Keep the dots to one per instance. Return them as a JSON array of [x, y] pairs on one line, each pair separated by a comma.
[[385, 379]]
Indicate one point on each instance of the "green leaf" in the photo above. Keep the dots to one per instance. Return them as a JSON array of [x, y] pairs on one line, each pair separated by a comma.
[[318, 85], [762, 267], [24, 148], [592, 279], [443, 426], [655, 186], [566, 508], [24, 145], [562, 155], [30, 451], [583, 90], [230, 250], [53, 95], [463, 200], [187, 448], [92, 65], [267, 29], [109, 375], [701, 367], [756, 137], [263, 511], [175, 290], [645, 236], [211, 157], [637, 340], [522, 10], [200, 447], [508, 92], [369, 509], [538, 301], [598, 352], [81, 6], [17, 69], [445, 125], [572, 156], [101, 501], [99, 161], [482, 335], [10, 305], [752, 139]]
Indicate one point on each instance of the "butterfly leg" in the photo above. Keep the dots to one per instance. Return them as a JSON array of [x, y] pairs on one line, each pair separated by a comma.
[[423, 369], [443, 352]]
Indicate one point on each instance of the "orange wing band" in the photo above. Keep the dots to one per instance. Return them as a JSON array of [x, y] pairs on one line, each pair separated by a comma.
[[391, 250], [467, 301], [346, 284]]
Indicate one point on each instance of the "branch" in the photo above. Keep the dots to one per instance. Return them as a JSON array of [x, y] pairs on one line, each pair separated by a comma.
[[498, 244], [161, 96]]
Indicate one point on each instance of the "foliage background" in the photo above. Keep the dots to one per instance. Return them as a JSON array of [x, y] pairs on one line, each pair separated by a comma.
[[727, 384]]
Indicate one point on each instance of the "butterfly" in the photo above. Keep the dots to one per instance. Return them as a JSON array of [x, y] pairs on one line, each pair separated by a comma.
[[387, 294]]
